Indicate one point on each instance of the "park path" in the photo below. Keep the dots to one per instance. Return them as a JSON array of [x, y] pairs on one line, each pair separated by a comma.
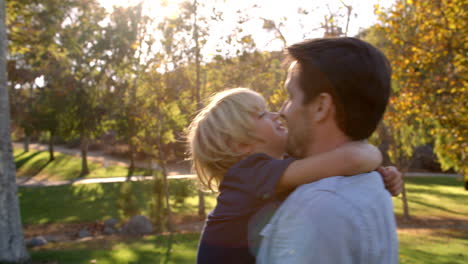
[[29, 182], [175, 171], [102, 157], [179, 170]]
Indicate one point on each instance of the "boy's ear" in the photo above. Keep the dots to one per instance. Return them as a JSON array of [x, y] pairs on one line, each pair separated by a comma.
[[241, 148]]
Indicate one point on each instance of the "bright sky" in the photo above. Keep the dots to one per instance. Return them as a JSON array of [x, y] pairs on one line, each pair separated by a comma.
[[296, 27]]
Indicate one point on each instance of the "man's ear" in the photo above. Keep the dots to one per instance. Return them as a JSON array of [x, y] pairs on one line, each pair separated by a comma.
[[323, 107]]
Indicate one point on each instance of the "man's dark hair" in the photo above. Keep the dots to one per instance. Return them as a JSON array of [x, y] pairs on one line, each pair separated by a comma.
[[356, 75]]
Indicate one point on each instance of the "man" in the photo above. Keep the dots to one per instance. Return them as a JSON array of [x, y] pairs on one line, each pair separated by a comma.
[[338, 91]]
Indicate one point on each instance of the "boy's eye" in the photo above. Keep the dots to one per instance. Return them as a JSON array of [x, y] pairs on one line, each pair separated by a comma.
[[262, 114]]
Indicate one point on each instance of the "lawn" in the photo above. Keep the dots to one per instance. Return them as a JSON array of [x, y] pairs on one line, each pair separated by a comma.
[[433, 246], [432, 202], [65, 167], [99, 201], [438, 207], [168, 249], [435, 197], [416, 247]]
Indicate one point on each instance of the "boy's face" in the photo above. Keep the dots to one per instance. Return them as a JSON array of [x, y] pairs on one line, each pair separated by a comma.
[[272, 134]]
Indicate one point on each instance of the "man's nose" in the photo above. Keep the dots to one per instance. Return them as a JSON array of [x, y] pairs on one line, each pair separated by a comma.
[[283, 108], [275, 115]]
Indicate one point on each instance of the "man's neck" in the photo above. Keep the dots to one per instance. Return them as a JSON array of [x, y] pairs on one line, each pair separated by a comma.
[[325, 142]]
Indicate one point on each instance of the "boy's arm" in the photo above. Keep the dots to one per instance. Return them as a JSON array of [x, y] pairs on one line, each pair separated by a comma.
[[349, 159]]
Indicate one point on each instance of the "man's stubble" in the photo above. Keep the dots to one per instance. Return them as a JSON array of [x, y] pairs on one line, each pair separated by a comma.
[[299, 135]]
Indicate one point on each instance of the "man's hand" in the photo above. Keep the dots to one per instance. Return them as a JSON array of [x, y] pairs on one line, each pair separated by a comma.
[[393, 179]]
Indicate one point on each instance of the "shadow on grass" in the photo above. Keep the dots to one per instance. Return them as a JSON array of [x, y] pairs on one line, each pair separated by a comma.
[[413, 255], [18, 155], [35, 171], [441, 194], [452, 233], [20, 162], [417, 201], [433, 181], [445, 227]]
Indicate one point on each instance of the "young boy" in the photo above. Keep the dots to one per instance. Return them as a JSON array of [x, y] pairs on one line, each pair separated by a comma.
[[237, 148]]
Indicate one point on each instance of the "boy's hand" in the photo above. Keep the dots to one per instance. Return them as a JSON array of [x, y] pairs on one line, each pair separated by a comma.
[[393, 179]]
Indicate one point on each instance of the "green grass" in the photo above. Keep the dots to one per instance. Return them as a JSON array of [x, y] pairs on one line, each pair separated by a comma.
[[442, 198], [97, 202], [433, 246], [416, 247], [65, 167], [435, 197], [176, 249]]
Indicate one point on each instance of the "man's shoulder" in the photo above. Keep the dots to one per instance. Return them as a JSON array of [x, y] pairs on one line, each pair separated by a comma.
[[338, 189], [343, 210], [341, 183], [350, 201], [311, 196]]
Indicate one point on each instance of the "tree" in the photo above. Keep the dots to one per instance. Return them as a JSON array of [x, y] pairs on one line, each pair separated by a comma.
[[129, 46], [12, 248], [32, 28], [160, 118], [20, 71], [183, 41], [47, 116], [276, 28], [196, 39], [82, 40], [395, 142], [332, 24], [427, 48]]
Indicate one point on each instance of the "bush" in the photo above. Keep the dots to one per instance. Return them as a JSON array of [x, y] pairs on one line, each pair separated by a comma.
[[181, 189], [127, 202]]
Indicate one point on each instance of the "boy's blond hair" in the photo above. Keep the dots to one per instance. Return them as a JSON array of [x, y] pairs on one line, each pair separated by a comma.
[[228, 120]]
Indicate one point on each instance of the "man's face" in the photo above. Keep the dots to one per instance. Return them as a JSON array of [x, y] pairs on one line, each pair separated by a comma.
[[297, 115]]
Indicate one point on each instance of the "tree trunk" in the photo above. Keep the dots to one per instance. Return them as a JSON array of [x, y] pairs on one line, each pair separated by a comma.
[[404, 200], [157, 214], [201, 204], [26, 142], [149, 166], [51, 146], [131, 169], [166, 196], [12, 247], [158, 205], [201, 197], [162, 163], [385, 141], [404, 165], [84, 156]]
